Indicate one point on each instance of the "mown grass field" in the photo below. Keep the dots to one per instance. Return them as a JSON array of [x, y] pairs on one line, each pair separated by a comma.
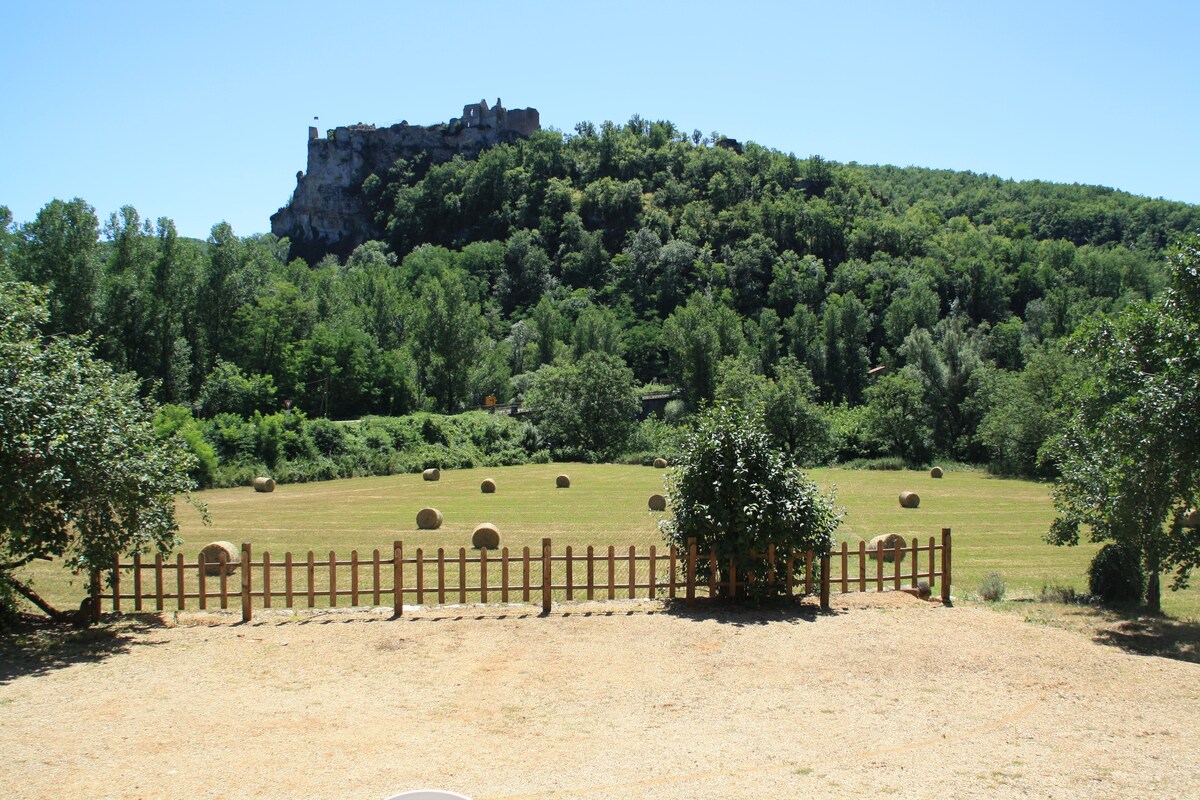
[[997, 523]]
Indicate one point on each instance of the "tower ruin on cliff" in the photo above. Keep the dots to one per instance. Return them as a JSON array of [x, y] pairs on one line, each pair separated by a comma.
[[327, 212]]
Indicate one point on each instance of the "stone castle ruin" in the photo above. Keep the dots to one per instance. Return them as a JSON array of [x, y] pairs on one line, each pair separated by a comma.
[[327, 212]]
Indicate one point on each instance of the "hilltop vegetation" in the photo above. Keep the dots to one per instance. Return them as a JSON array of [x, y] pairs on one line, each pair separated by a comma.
[[730, 272]]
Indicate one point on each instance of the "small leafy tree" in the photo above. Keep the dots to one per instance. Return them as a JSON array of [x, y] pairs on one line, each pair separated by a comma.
[[734, 492], [84, 477], [1128, 454], [584, 410]]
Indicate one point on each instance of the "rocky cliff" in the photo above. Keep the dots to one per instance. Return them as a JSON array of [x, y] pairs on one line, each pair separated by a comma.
[[327, 213]]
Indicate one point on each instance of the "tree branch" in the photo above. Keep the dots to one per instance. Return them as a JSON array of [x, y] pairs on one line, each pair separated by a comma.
[[32, 596]]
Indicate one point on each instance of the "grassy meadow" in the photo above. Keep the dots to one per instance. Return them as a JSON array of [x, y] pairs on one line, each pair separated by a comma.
[[997, 523]]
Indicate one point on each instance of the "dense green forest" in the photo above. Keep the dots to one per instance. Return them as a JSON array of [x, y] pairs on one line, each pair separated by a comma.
[[586, 265]]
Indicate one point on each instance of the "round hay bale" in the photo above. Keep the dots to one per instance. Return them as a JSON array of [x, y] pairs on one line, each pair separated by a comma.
[[909, 500], [658, 502], [1192, 518], [212, 553], [264, 484], [660, 463], [936, 472], [429, 519], [488, 486], [889, 546], [432, 474], [562, 482], [486, 536]]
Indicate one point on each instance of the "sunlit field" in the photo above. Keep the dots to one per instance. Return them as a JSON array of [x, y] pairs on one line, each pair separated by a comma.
[[997, 524]]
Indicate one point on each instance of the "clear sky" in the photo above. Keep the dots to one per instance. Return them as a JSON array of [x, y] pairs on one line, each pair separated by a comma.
[[199, 111]]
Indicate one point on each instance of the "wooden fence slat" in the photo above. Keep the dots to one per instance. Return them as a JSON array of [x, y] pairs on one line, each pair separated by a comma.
[[632, 572], [612, 585], [179, 589], [671, 570], [483, 581], [946, 564], [525, 587], [462, 575], [201, 582], [651, 581], [733, 584], [116, 584], [287, 579], [332, 579], [441, 576], [879, 566], [246, 580], [570, 574], [223, 565], [546, 576], [312, 578], [932, 560], [397, 578], [266, 579], [824, 581], [504, 575], [137, 581], [771, 564], [862, 565], [353, 577], [375, 570], [420, 577], [916, 562], [808, 572], [845, 568], [789, 574], [591, 573], [897, 563]]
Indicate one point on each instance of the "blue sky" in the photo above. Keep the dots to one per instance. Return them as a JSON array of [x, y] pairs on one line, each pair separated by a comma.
[[199, 111]]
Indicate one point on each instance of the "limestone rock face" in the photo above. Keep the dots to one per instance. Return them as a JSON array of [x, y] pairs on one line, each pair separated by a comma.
[[328, 213]]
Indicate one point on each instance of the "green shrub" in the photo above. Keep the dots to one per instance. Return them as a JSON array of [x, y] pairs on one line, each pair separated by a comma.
[[886, 463], [1115, 574], [992, 589], [735, 492]]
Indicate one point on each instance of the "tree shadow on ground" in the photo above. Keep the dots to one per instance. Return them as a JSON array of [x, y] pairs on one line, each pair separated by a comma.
[[745, 613], [37, 646], [1152, 636]]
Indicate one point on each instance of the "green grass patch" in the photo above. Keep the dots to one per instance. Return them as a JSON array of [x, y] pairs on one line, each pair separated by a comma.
[[997, 523]]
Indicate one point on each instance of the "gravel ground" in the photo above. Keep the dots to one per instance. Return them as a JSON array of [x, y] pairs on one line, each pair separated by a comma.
[[886, 696]]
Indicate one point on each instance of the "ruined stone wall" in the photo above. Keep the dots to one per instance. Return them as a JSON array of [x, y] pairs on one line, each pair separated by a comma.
[[327, 213]]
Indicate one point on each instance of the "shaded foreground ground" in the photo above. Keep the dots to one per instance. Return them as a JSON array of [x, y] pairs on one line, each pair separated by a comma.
[[886, 696]]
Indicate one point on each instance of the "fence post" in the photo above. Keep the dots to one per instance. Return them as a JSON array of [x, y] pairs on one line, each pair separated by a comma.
[[691, 572], [824, 581], [546, 576], [398, 577], [246, 612], [946, 566]]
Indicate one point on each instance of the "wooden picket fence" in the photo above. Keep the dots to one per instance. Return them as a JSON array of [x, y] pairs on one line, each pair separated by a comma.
[[440, 577]]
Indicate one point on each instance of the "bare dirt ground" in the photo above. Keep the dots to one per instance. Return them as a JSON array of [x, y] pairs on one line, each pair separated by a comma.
[[886, 696]]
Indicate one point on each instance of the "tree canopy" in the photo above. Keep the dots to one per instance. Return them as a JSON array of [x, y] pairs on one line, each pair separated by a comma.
[[85, 475]]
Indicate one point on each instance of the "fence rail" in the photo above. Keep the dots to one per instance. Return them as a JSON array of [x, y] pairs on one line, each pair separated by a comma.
[[441, 576]]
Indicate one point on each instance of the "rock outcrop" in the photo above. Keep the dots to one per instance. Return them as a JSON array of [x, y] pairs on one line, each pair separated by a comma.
[[327, 212]]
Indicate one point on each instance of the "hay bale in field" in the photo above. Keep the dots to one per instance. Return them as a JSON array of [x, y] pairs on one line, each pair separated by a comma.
[[262, 484], [936, 472], [429, 519], [432, 474], [660, 463], [486, 536], [488, 486], [562, 482], [212, 553], [909, 500], [889, 546], [658, 502]]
